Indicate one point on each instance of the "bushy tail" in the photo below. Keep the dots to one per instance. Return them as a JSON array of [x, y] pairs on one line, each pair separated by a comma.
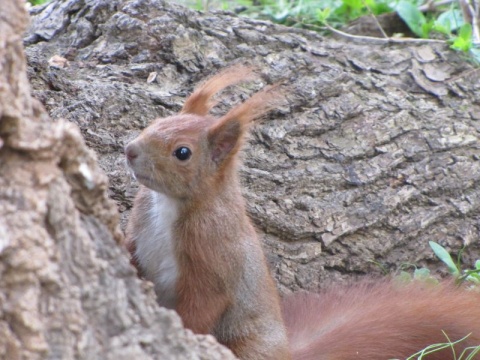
[[381, 320]]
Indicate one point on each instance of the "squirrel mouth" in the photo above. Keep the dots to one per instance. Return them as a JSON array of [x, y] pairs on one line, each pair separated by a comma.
[[143, 179]]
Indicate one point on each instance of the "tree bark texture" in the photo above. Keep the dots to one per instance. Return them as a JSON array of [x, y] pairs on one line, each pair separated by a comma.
[[375, 152], [67, 290]]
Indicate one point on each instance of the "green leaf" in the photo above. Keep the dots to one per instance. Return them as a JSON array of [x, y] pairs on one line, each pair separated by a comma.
[[37, 2], [354, 4], [403, 277], [412, 16], [473, 278], [472, 275], [441, 29], [477, 264], [451, 19], [462, 43], [380, 8], [322, 15], [199, 5], [427, 28], [465, 32], [421, 274], [443, 255]]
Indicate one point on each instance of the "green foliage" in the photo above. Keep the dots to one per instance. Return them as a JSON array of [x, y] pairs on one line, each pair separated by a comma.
[[463, 41], [413, 17], [443, 255], [468, 353], [449, 23], [37, 2], [341, 12], [444, 22], [322, 15], [471, 276], [419, 274], [450, 20]]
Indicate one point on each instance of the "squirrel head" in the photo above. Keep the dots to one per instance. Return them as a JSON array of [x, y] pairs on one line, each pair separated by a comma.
[[191, 153]]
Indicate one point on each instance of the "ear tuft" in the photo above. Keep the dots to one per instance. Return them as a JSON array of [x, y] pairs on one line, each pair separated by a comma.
[[225, 137], [258, 105], [200, 103]]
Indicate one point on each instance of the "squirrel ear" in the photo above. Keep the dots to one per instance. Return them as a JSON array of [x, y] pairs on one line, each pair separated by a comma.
[[200, 102], [224, 139]]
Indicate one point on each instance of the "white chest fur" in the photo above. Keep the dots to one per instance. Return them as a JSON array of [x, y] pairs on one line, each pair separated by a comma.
[[155, 247]]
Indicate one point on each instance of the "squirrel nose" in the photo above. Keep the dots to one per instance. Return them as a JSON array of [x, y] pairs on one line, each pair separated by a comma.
[[131, 152]]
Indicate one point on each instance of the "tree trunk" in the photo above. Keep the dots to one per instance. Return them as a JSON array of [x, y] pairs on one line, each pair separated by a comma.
[[67, 290]]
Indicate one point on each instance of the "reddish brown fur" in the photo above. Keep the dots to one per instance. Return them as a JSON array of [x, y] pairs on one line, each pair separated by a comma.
[[204, 270], [209, 257], [199, 102], [223, 285], [235, 123], [381, 320]]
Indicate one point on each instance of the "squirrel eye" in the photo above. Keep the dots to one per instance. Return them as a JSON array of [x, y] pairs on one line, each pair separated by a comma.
[[182, 153]]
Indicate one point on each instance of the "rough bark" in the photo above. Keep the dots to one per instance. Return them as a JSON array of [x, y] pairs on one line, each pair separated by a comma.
[[375, 154], [67, 290]]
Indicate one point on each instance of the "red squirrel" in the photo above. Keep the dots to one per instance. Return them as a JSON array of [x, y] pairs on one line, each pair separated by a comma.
[[190, 235]]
